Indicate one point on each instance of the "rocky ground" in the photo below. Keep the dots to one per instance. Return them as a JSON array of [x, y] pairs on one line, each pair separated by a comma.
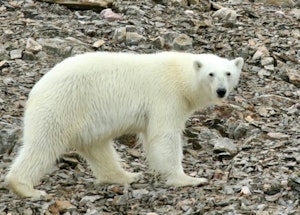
[[249, 147]]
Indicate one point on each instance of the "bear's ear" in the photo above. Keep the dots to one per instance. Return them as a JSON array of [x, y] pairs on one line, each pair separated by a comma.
[[197, 65], [239, 62]]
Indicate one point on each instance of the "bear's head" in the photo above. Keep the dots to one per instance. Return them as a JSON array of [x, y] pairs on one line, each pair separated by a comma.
[[218, 75]]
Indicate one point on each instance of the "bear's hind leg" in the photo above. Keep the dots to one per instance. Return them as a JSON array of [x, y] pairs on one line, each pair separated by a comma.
[[104, 162], [32, 162]]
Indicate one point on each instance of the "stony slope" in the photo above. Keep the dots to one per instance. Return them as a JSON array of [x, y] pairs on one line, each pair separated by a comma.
[[248, 148]]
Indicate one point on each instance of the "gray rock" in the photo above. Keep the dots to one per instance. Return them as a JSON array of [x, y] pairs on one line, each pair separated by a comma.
[[271, 188], [120, 200], [158, 42], [272, 100], [139, 193], [255, 69], [236, 1], [241, 130], [169, 37], [8, 80], [86, 199], [226, 14], [16, 54], [92, 212], [27, 55], [130, 28], [120, 34], [133, 38], [159, 24], [224, 145], [183, 42], [9, 136], [263, 72], [273, 198], [267, 61], [135, 11], [244, 52], [32, 46], [269, 67], [27, 211], [3, 53], [209, 134], [261, 52], [194, 2], [280, 3], [293, 76], [109, 15], [294, 181], [178, 3], [55, 46]]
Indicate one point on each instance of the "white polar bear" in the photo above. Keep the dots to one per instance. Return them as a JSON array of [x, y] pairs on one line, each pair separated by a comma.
[[87, 100]]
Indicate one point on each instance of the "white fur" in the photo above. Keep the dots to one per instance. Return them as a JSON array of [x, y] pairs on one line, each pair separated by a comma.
[[87, 100]]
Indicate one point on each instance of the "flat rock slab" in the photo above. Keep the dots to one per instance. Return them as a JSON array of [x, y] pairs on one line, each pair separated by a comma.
[[83, 4], [224, 145]]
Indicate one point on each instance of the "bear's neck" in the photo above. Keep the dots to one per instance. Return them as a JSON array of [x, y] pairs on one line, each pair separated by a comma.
[[198, 98]]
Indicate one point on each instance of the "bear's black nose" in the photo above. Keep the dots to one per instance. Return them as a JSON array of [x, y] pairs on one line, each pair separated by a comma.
[[221, 92]]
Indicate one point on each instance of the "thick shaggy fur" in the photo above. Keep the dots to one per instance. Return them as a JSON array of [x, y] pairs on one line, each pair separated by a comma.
[[87, 100]]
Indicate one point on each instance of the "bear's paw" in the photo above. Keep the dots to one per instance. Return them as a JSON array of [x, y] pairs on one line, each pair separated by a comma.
[[123, 178], [185, 180]]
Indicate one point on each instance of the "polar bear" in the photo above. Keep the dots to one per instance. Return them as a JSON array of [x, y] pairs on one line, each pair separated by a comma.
[[87, 100]]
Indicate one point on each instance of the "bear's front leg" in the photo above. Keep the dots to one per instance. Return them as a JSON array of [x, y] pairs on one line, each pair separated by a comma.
[[164, 155]]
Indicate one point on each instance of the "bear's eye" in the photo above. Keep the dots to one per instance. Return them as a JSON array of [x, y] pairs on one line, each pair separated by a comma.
[[211, 74], [228, 74]]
